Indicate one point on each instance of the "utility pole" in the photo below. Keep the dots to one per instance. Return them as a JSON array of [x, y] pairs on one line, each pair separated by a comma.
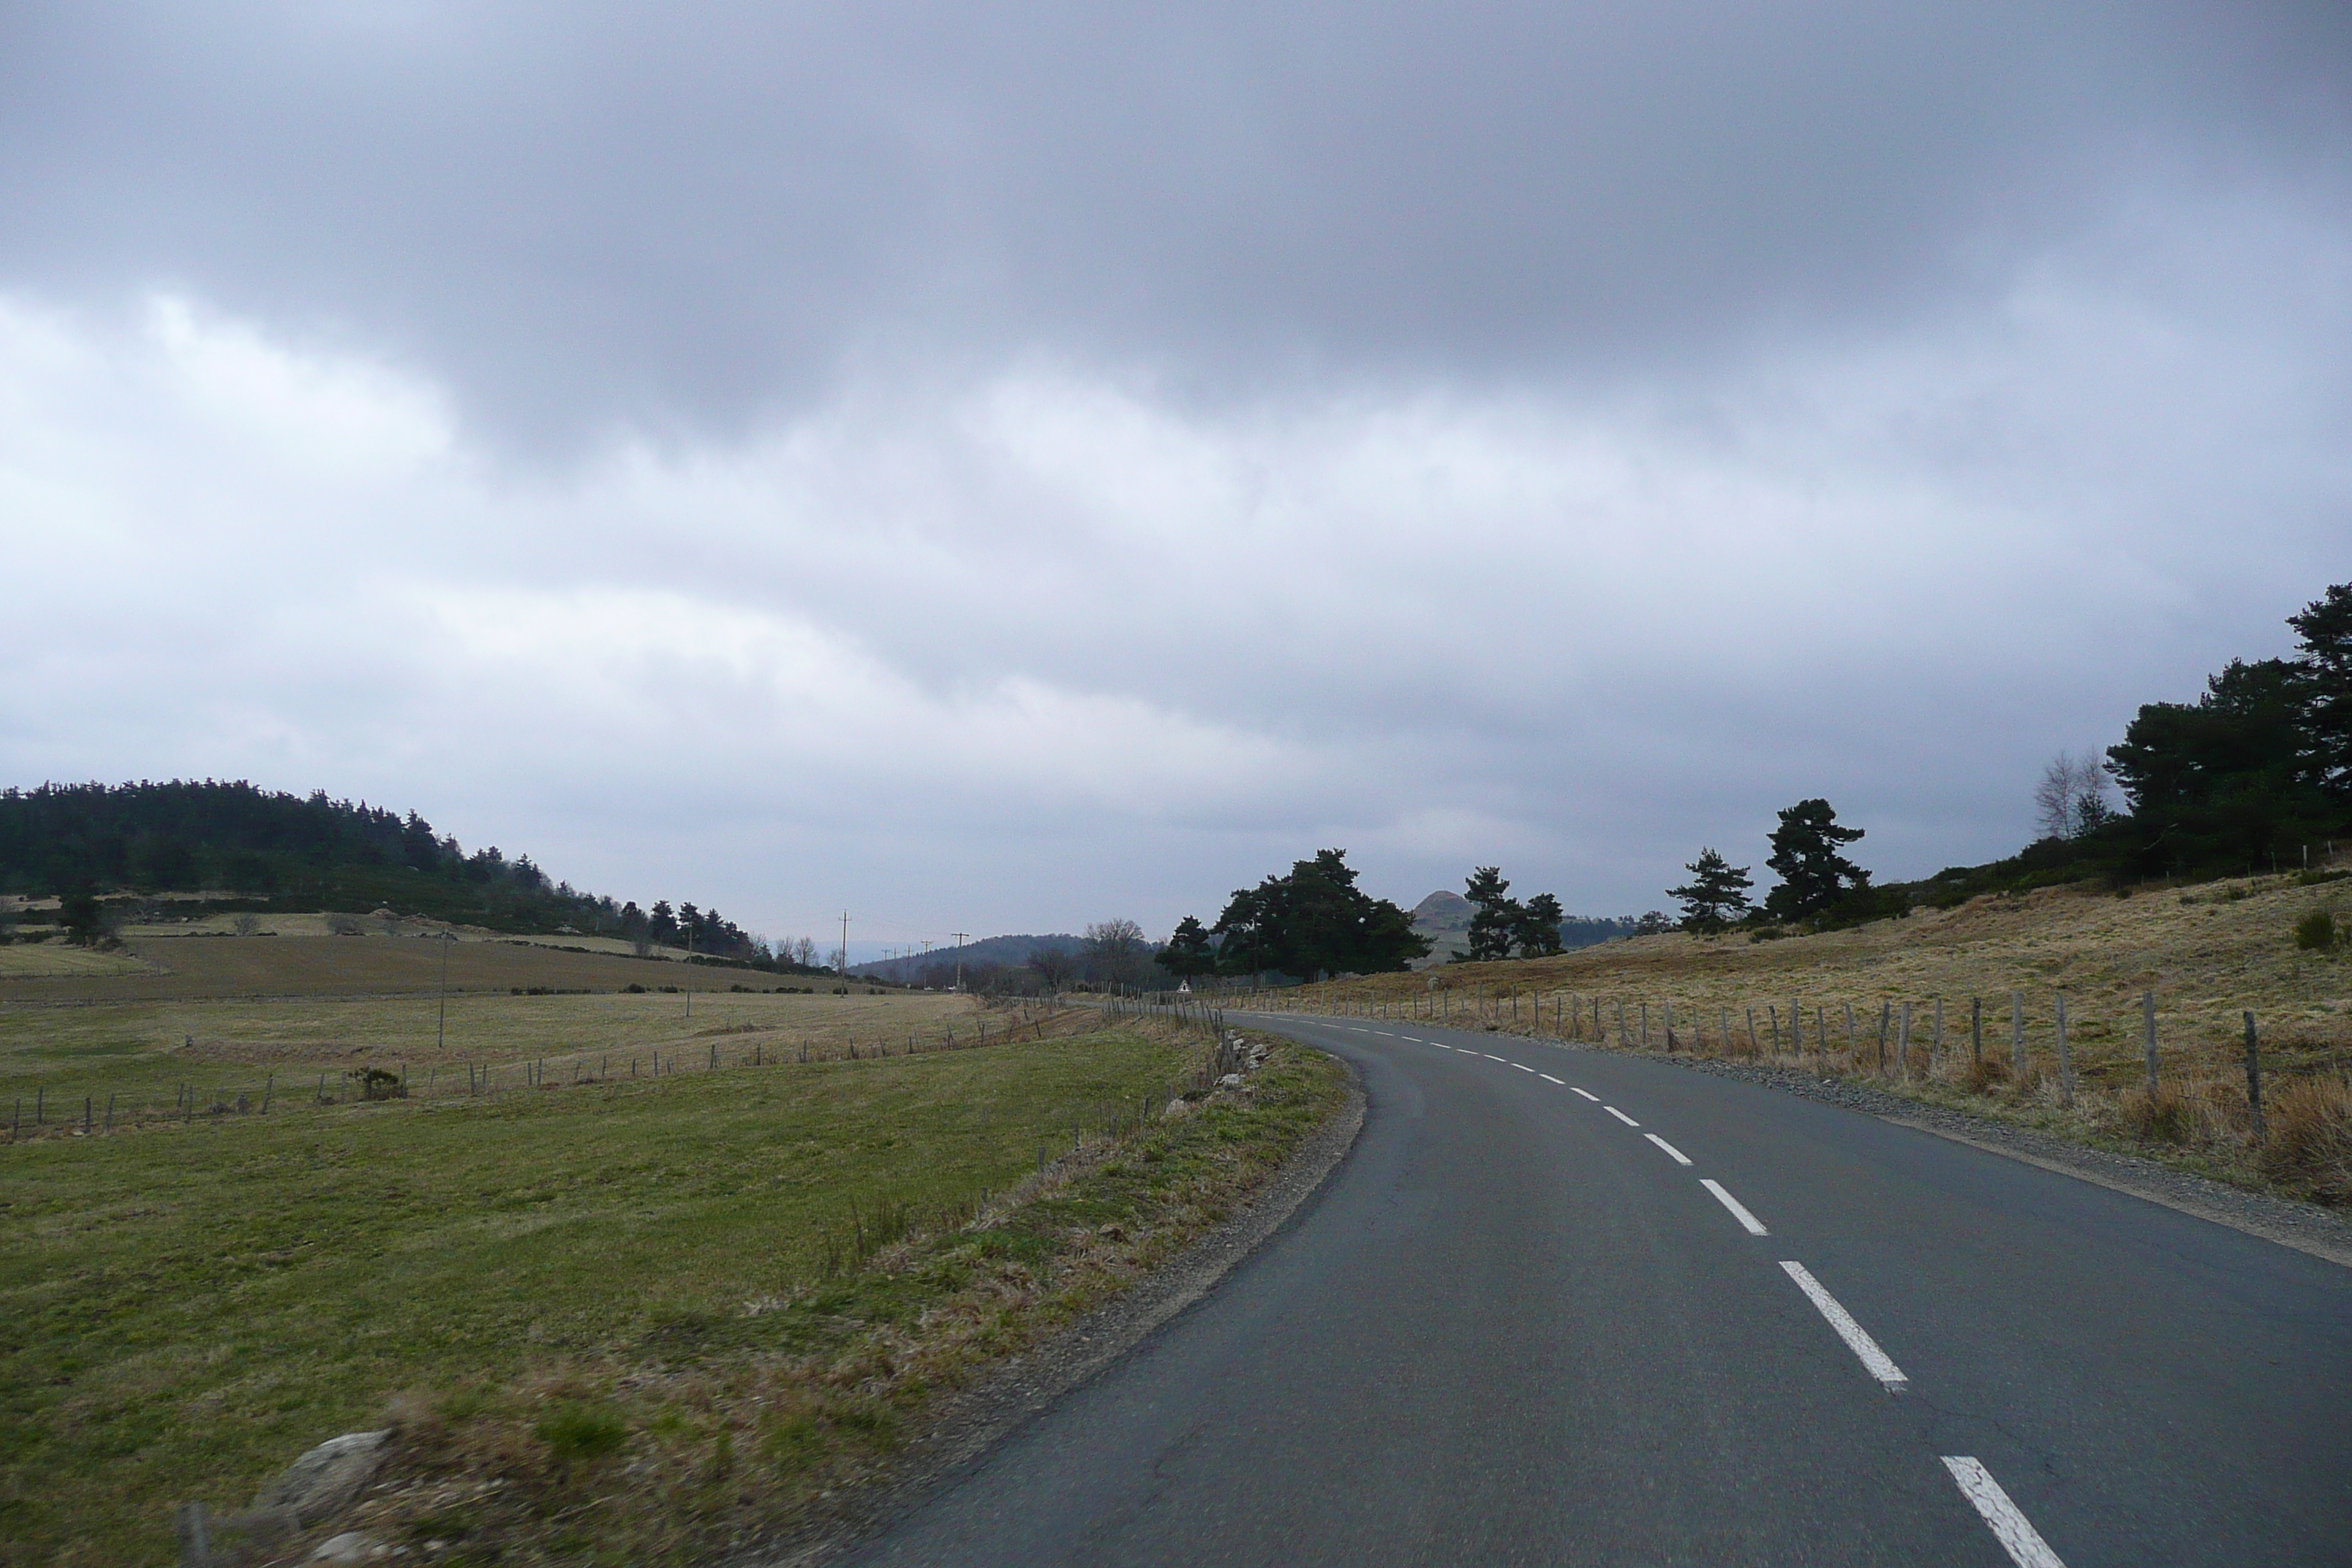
[[689, 972], [845, 947], [959, 935]]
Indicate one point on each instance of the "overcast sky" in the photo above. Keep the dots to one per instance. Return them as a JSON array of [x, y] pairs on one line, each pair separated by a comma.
[[992, 469]]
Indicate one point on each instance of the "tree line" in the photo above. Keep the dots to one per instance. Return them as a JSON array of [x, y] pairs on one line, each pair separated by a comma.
[[2252, 774], [252, 848]]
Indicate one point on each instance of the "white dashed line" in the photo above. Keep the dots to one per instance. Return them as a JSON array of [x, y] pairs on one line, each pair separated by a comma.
[[1676, 1155], [2018, 1538], [1586, 1092], [1490, 1055], [1440, 1045], [1739, 1210], [1620, 1116], [1860, 1344], [1548, 1079], [1523, 1066]]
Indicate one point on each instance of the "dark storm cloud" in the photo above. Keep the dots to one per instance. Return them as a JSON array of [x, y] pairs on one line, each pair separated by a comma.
[[998, 469], [669, 216]]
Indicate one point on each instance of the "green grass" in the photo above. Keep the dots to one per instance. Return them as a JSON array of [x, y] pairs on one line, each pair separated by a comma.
[[183, 1309]]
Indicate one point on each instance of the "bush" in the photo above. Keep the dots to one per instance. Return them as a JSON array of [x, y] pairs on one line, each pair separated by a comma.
[[632, 989], [1983, 1075], [2310, 1144], [573, 1432], [2158, 1115], [376, 1083], [2316, 932]]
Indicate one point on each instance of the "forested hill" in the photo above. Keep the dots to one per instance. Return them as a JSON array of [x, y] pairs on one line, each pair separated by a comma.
[[245, 848]]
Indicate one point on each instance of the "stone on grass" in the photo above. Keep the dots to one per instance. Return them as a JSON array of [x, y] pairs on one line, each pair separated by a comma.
[[322, 1482]]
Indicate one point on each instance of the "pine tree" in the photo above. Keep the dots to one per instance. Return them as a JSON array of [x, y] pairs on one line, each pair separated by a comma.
[[1538, 930], [1498, 917], [2323, 675], [1715, 895], [1813, 875], [1187, 951]]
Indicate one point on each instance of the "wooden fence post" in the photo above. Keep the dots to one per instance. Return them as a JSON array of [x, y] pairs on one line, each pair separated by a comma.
[[1976, 1031], [2065, 1057], [1772, 1016], [1902, 1047], [2017, 1034], [1885, 1011], [2255, 1080]]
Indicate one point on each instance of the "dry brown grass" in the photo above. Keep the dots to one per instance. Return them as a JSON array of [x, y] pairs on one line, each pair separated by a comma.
[[2209, 955], [2310, 1144]]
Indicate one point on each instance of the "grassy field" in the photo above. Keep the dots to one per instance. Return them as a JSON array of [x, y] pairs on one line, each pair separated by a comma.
[[272, 1017], [618, 1320], [152, 968], [2207, 954]]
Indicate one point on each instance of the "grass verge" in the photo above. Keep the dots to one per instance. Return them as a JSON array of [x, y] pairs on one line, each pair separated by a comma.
[[637, 1323]]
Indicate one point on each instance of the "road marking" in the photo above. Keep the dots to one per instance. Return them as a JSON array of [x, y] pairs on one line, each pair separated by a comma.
[[1678, 1157], [1548, 1079], [1586, 1092], [1860, 1344], [1523, 1066], [1739, 1210], [2018, 1538], [1620, 1116], [1490, 1055], [1440, 1045]]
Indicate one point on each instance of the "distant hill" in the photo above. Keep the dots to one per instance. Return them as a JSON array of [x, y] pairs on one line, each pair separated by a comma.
[[1444, 919], [936, 967], [211, 845]]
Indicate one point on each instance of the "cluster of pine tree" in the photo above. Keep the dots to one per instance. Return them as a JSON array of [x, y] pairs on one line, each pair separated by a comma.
[[2252, 776], [249, 848], [1313, 921]]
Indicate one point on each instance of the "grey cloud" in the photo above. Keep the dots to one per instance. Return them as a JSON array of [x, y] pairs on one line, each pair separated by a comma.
[[579, 215]]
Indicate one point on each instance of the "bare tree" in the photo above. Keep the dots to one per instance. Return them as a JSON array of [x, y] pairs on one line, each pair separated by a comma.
[[245, 924], [2073, 797], [1053, 966], [1117, 952], [803, 950]]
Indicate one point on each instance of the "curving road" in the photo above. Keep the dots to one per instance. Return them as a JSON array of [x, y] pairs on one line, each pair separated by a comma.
[[1532, 1320]]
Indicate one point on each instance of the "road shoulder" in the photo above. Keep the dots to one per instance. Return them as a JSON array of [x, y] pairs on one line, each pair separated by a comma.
[[963, 1428], [2304, 1228]]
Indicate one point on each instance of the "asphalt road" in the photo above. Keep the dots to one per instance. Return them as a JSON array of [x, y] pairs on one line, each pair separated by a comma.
[[1514, 1328]]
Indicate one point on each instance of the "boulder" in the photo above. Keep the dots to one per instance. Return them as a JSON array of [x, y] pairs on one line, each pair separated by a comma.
[[322, 1482]]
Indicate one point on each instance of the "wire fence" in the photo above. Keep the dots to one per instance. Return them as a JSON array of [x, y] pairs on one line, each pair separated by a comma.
[[46, 1112]]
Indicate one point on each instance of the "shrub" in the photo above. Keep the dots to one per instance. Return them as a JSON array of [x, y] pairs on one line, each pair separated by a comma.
[[376, 1083], [632, 989], [2310, 1144], [2316, 932], [1982, 1076], [2158, 1115], [576, 1431]]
